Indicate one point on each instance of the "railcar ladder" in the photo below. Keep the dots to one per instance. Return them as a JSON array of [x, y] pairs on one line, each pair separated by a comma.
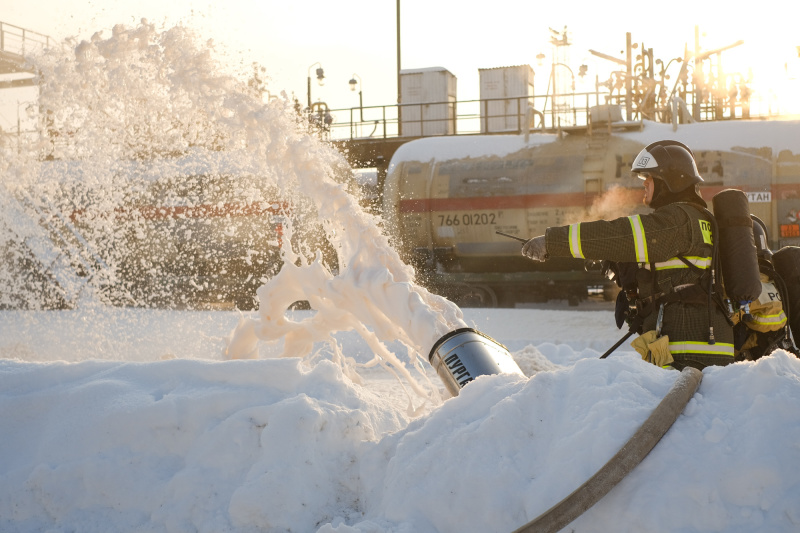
[[594, 164]]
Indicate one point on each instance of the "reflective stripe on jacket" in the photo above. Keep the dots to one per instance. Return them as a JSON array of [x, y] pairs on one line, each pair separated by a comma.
[[703, 263], [694, 347], [767, 322]]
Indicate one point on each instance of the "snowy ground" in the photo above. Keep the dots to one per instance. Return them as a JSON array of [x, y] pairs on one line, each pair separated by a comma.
[[126, 420]]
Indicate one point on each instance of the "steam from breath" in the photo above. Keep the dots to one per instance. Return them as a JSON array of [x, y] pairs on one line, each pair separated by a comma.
[[616, 202], [117, 110]]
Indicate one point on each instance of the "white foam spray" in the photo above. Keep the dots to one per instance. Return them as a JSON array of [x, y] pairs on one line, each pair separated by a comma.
[[125, 111]]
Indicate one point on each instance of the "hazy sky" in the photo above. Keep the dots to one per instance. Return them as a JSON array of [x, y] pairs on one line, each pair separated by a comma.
[[359, 36]]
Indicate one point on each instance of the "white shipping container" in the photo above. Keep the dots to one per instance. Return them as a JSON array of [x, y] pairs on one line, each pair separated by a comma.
[[513, 83], [602, 114], [428, 102]]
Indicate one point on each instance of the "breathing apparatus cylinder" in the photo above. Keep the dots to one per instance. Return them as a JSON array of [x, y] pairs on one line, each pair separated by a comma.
[[787, 265], [737, 249], [464, 354]]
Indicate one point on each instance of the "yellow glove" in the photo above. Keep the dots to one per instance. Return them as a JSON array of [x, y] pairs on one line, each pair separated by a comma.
[[653, 350]]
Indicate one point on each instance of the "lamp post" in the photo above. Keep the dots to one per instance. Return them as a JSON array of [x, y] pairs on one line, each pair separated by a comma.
[[30, 111], [399, 78], [353, 82], [320, 79]]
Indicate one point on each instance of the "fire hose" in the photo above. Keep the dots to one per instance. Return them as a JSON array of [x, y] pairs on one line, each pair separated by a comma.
[[619, 466]]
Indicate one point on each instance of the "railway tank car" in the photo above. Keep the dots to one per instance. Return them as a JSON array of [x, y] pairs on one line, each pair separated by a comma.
[[202, 230], [446, 198]]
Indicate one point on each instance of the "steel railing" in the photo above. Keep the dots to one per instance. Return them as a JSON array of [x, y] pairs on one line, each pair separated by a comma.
[[19, 41], [485, 116], [489, 116]]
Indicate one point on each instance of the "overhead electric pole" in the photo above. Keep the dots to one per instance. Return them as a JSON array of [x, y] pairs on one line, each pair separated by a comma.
[[399, 87]]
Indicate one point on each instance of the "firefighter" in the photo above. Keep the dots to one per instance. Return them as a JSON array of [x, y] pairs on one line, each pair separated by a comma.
[[672, 302], [766, 329]]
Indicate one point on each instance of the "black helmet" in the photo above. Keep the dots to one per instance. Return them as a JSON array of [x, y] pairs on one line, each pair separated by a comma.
[[671, 161], [761, 238]]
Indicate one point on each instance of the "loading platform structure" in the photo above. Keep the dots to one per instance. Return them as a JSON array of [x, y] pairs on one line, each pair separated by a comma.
[[15, 43], [368, 137]]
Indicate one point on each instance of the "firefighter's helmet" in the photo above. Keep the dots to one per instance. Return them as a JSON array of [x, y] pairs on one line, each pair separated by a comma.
[[671, 161]]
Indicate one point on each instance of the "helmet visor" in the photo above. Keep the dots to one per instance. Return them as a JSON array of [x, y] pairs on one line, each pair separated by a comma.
[[644, 175]]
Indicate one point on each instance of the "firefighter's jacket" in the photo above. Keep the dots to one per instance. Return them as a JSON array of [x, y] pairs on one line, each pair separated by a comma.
[[655, 241]]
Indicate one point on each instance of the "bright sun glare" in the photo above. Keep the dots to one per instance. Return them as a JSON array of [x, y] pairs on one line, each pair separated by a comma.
[[359, 36]]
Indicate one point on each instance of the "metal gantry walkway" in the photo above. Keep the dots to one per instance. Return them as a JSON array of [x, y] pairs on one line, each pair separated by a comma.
[[15, 43]]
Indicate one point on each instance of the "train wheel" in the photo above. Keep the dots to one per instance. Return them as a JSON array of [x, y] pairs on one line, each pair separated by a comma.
[[477, 296], [506, 299]]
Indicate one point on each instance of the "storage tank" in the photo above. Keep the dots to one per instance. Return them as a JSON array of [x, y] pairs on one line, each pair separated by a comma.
[[505, 93], [428, 102]]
